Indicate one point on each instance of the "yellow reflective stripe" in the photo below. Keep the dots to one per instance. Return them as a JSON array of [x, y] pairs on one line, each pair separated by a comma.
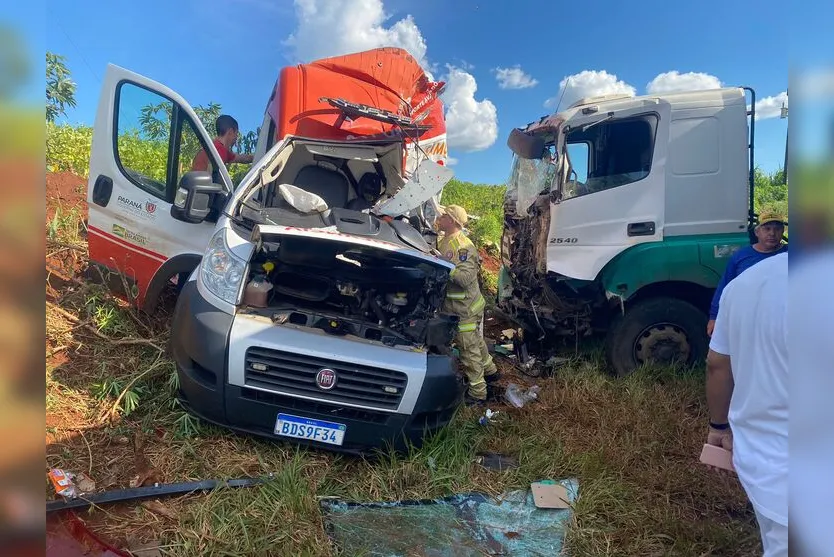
[[456, 295], [478, 305], [467, 327]]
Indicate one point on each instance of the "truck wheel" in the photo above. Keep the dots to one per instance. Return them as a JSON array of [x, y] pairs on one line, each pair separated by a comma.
[[659, 331]]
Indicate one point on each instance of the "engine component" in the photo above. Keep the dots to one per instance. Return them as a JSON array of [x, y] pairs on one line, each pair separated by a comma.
[[303, 286], [397, 298], [347, 288]]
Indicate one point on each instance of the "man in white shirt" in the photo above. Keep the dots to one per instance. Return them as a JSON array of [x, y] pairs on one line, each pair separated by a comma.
[[747, 391]]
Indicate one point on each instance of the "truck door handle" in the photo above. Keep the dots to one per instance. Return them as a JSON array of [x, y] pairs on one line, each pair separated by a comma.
[[102, 190], [641, 229]]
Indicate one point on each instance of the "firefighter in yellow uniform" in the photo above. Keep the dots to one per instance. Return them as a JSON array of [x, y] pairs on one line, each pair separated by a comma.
[[464, 299]]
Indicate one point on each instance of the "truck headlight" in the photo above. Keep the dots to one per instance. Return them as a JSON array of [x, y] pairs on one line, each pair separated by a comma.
[[222, 271]]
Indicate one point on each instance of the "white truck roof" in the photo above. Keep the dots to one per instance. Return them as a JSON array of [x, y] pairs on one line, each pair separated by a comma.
[[681, 99]]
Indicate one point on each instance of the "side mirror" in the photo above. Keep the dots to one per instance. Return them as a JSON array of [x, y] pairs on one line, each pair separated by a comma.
[[197, 195], [525, 145]]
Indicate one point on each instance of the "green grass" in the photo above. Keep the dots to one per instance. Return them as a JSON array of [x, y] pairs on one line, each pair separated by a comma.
[[64, 227]]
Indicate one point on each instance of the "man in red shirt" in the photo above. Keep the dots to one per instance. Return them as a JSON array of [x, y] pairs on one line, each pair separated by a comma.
[[227, 133]]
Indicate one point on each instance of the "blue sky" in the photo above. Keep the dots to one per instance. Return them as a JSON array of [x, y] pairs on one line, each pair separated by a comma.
[[230, 52]]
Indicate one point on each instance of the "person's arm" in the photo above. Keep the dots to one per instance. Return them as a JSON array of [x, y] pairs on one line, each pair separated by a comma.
[[720, 382], [729, 274], [466, 271], [242, 158], [719, 386]]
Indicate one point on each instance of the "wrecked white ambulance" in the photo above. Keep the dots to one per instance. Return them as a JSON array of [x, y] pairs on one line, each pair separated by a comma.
[[311, 312]]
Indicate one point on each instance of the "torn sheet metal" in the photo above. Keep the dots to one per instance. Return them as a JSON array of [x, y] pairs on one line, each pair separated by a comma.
[[461, 526]]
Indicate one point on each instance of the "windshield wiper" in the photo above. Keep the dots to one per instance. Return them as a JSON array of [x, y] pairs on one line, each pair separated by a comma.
[[352, 111], [600, 121]]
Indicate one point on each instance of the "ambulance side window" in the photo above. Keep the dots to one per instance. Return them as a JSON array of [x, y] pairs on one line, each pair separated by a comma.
[[143, 133], [189, 145]]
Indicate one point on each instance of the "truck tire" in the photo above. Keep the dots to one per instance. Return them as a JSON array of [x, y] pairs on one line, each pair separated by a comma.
[[656, 330]]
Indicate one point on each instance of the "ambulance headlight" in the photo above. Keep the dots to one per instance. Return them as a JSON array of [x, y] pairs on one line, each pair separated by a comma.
[[222, 271]]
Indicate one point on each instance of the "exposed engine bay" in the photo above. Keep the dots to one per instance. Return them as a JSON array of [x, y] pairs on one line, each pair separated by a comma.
[[343, 243], [348, 288]]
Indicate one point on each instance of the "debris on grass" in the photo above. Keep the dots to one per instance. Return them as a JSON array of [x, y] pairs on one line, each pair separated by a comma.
[[158, 508], [487, 417], [504, 349], [63, 482], [547, 494], [495, 461], [518, 397], [466, 524], [84, 483], [147, 492]]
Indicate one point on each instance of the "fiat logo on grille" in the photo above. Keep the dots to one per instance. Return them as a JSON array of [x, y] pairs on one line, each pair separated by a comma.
[[326, 379]]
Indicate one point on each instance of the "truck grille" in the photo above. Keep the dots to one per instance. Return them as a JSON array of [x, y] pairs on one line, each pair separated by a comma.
[[296, 374]]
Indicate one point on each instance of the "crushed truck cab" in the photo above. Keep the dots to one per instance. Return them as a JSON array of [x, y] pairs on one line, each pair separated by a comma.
[[620, 216], [311, 312]]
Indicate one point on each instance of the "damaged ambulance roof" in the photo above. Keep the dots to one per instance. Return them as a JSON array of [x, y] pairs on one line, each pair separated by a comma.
[[390, 79]]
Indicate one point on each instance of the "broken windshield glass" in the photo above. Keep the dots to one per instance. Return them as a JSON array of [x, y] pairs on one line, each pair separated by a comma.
[[529, 179]]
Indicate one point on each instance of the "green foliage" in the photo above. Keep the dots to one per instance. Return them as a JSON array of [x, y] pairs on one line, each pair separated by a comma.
[[482, 201], [112, 388], [770, 192], [60, 89], [68, 148], [148, 157], [64, 227]]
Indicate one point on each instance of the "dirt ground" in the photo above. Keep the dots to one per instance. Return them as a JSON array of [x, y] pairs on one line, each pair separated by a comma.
[[489, 262], [67, 191]]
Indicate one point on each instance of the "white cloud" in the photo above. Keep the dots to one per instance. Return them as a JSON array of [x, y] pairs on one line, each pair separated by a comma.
[[588, 83], [771, 107], [471, 125], [336, 27], [514, 78], [669, 82]]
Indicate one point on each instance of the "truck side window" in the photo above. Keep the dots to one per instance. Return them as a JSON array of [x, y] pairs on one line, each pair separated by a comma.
[[610, 154], [143, 132], [579, 155]]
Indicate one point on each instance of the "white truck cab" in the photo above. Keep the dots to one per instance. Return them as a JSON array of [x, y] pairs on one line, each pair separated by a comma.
[[620, 216]]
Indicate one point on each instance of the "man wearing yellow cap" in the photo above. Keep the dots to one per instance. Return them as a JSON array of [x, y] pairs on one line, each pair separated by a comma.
[[464, 299], [769, 234]]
